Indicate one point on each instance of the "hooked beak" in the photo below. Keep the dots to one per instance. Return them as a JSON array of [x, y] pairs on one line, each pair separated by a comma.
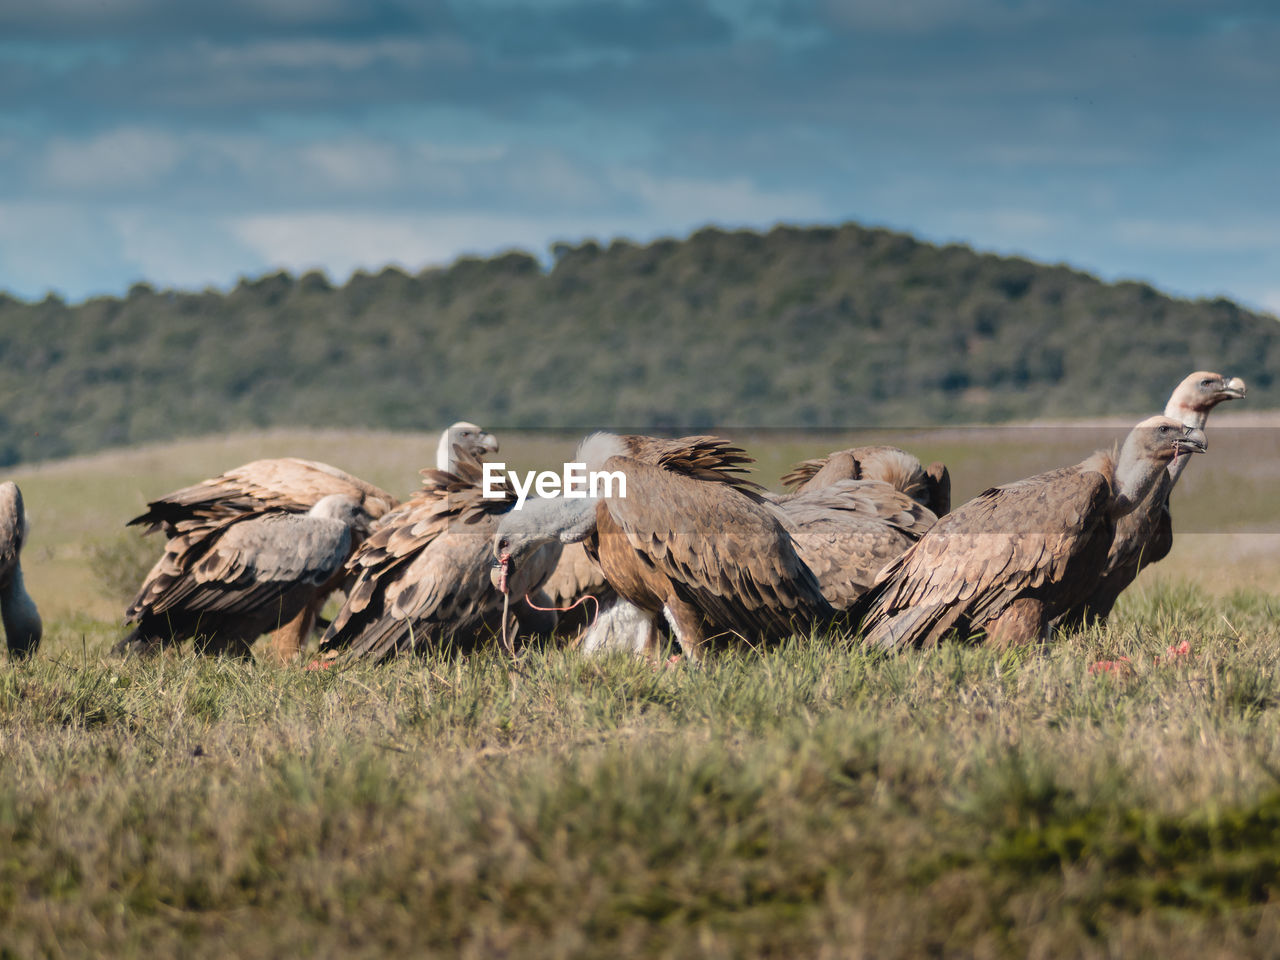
[[499, 572], [1233, 389], [488, 443], [1191, 441]]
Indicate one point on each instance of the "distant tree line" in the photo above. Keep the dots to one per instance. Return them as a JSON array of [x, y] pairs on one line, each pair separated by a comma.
[[822, 327]]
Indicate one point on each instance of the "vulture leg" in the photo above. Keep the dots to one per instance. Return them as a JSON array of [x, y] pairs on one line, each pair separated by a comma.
[[686, 624], [289, 640], [1021, 623]]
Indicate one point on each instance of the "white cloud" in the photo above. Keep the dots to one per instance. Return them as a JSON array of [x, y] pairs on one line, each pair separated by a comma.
[[125, 157]]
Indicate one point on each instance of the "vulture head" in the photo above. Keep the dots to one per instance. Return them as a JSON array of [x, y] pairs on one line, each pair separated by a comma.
[[526, 537], [340, 507], [1147, 451], [469, 437], [1201, 392]]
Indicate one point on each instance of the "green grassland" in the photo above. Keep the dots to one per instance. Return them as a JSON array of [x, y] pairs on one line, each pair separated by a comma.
[[811, 800]]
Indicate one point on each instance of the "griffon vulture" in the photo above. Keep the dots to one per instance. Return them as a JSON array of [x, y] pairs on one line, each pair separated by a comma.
[[690, 540], [22, 626], [847, 531], [422, 577], [1016, 556], [288, 484], [242, 579], [1145, 536], [929, 487]]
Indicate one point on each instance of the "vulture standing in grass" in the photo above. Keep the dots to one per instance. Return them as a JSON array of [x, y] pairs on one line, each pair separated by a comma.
[[1145, 535], [246, 578], [1018, 555], [22, 626], [190, 517], [930, 487], [690, 540], [422, 578]]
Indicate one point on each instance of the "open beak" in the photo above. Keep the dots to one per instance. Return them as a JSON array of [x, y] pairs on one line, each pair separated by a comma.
[[488, 443], [1192, 441]]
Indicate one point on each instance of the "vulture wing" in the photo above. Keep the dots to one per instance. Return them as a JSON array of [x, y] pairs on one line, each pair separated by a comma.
[[1037, 537], [423, 575], [847, 532], [723, 551], [253, 562], [289, 484]]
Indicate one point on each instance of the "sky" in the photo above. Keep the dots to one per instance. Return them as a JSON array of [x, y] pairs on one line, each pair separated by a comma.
[[189, 144]]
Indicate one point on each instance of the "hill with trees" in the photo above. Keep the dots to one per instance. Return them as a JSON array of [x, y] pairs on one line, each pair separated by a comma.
[[817, 327]]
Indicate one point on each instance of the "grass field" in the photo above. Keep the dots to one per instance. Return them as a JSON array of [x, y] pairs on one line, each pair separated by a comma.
[[807, 801]]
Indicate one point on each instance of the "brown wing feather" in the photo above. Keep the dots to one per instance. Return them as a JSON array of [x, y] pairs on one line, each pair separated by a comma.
[[848, 531], [289, 484], [1034, 536], [721, 550], [423, 575], [575, 575]]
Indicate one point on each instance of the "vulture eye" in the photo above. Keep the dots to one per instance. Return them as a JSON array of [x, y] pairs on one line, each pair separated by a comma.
[[504, 543], [1206, 383]]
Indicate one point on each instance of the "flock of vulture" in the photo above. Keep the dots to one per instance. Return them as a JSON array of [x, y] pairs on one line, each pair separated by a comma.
[[694, 551]]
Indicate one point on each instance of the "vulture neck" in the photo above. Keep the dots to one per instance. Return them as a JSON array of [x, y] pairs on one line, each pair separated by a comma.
[[1136, 475], [1195, 417], [444, 454], [559, 518], [22, 625]]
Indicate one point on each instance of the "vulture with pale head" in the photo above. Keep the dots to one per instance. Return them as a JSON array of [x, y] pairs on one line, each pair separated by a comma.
[[1016, 556], [691, 540], [421, 580], [22, 625], [1145, 535], [243, 578]]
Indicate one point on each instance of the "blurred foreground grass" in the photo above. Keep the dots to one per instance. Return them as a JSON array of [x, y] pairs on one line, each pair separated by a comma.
[[808, 801]]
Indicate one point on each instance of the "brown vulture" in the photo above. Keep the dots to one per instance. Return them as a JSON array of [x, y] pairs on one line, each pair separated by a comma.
[[242, 579], [421, 580], [847, 531], [1016, 556], [288, 484], [690, 540], [930, 487], [22, 626], [1145, 535]]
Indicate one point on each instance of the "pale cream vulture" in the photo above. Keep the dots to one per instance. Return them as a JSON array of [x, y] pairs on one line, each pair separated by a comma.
[[22, 625], [691, 540], [1145, 536], [1018, 555], [422, 578]]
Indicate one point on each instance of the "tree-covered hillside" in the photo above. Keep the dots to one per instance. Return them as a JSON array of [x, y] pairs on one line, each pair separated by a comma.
[[838, 326]]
